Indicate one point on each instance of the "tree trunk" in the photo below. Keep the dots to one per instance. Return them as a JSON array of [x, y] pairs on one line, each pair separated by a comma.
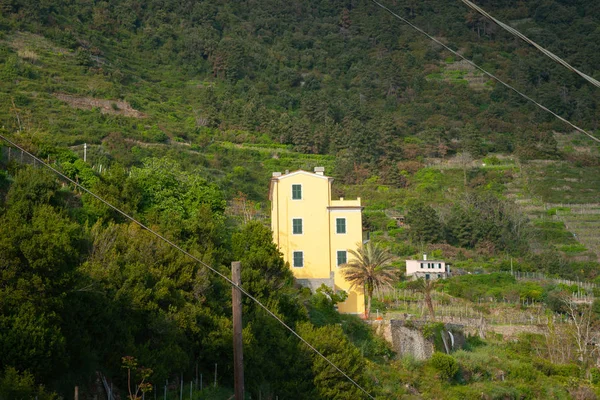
[[429, 304]]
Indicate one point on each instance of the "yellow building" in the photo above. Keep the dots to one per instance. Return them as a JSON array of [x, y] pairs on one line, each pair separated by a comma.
[[314, 232]]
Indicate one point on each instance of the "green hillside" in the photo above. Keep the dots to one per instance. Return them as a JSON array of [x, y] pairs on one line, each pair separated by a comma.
[[187, 107]]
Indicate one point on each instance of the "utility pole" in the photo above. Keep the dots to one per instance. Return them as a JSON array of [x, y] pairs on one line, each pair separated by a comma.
[[238, 351], [84, 152]]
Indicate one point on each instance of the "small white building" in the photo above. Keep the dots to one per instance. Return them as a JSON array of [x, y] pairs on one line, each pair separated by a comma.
[[428, 269]]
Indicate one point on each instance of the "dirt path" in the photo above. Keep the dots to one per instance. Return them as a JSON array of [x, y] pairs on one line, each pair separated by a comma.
[[116, 107]]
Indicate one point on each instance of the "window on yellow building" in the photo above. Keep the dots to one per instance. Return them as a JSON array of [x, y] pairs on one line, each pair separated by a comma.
[[342, 257], [297, 226], [298, 259], [340, 225], [296, 192]]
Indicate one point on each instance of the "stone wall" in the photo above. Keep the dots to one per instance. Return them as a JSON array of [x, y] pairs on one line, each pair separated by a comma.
[[406, 337], [314, 283]]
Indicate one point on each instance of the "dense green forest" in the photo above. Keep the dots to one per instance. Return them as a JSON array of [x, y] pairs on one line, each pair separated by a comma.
[[187, 107], [340, 78]]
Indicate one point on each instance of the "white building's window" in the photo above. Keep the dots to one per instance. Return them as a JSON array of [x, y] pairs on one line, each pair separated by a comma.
[[298, 259], [342, 257], [297, 192], [340, 225], [297, 226]]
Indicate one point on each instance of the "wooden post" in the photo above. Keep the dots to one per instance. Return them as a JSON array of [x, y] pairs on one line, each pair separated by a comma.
[[76, 395], [238, 351]]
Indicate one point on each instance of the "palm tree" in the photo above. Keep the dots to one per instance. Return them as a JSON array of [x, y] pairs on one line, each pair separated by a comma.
[[425, 286], [371, 268]]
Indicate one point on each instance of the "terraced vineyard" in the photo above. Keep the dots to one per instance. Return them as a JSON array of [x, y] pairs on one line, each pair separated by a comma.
[[583, 220], [560, 200]]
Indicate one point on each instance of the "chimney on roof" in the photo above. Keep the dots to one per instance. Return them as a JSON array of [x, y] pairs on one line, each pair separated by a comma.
[[320, 170], [276, 174], [424, 257]]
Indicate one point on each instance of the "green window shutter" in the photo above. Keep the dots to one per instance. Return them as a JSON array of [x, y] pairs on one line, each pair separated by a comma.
[[340, 225], [296, 192], [297, 226], [342, 257], [298, 259]]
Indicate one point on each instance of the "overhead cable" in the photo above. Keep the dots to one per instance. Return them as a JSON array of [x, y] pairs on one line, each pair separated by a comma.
[[531, 42], [181, 250], [486, 72]]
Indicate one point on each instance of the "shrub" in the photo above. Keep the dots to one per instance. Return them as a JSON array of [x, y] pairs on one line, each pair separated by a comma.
[[595, 376], [525, 372], [445, 364], [473, 341], [15, 385]]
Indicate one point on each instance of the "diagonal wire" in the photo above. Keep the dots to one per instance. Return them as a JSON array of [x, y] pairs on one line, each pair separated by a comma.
[[531, 42], [486, 72], [169, 242]]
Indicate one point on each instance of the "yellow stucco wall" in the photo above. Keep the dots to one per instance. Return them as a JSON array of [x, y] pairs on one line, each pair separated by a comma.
[[348, 241], [319, 241]]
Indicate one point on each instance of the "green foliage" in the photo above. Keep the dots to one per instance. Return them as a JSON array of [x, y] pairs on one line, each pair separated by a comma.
[[332, 343], [228, 92], [573, 248], [564, 182], [424, 223], [371, 345], [21, 386], [264, 273], [428, 180], [322, 305], [523, 371], [474, 287], [433, 331], [595, 375], [486, 222], [370, 268], [557, 210], [445, 364], [377, 221]]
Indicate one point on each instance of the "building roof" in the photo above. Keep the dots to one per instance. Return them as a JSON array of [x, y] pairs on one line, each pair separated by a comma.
[[300, 172], [277, 176]]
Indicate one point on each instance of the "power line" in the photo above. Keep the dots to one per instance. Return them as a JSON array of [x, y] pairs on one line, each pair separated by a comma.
[[486, 72], [164, 239], [531, 42]]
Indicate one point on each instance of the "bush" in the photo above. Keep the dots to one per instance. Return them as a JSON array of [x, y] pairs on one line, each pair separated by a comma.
[[15, 385], [595, 376], [434, 332], [525, 372], [445, 364], [473, 341]]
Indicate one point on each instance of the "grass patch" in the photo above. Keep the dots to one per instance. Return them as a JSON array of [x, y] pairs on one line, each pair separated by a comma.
[[573, 248], [562, 182]]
